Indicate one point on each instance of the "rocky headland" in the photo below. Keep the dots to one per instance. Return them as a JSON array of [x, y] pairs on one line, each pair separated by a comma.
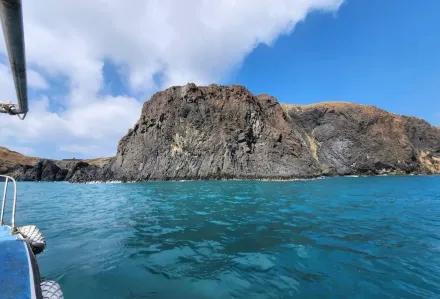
[[225, 132]]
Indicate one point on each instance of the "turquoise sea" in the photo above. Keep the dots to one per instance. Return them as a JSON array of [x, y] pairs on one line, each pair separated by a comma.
[[366, 237]]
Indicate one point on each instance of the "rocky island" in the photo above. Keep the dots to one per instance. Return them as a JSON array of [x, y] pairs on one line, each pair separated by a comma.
[[225, 132]]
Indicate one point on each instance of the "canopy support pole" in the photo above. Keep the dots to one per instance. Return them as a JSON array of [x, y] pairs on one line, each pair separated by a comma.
[[11, 15]]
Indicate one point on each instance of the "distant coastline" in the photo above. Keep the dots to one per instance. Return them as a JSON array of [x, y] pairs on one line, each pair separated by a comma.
[[225, 132]]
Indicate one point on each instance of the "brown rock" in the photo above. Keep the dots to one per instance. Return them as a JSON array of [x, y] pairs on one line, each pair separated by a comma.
[[226, 132]]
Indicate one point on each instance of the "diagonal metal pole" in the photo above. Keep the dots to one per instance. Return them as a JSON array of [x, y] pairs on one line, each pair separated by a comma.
[[12, 23]]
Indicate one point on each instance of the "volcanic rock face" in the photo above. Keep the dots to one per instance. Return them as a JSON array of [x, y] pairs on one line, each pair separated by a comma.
[[217, 132], [49, 171], [24, 168], [354, 139], [212, 132]]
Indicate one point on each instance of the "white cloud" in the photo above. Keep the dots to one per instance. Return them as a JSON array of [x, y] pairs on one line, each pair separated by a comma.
[[94, 129], [35, 80], [197, 41], [6, 85]]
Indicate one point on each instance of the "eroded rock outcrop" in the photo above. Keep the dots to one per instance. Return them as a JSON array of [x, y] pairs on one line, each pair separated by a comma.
[[215, 132], [226, 132], [10, 159], [212, 132], [348, 138], [24, 168], [43, 170]]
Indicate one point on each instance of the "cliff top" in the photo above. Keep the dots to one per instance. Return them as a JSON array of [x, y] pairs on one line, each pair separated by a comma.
[[337, 105], [10, 158], [239, 90]]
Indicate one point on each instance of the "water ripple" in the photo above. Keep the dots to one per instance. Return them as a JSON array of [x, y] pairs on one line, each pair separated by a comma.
[[334, 238]]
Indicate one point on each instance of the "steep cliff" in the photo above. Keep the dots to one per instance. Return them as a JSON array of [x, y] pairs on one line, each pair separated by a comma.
[[348, 138], [212, 132], [225, 132]]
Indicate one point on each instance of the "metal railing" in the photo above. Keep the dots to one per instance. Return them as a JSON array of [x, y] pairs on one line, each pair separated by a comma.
[[6, 179]]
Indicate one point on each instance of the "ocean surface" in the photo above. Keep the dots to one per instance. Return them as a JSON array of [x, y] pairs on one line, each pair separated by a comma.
[[366, 237]]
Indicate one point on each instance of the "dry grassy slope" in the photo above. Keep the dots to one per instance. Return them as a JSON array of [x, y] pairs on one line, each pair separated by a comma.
[[10, 158], [99, 161], [96, 161]]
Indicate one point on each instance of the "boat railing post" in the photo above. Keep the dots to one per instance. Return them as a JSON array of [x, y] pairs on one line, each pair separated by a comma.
[[13, 206], [5, 190]]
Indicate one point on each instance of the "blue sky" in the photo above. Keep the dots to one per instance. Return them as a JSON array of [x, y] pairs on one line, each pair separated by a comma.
[[382, 53], [89, 74]]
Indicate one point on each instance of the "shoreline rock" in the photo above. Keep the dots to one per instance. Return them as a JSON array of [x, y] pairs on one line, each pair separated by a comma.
[[225, 132]]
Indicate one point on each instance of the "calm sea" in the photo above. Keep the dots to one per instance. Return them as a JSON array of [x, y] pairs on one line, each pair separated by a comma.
[[374, 237]]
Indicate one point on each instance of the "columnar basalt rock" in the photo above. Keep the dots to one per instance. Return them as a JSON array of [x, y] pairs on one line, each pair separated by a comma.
[[226, 132]]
